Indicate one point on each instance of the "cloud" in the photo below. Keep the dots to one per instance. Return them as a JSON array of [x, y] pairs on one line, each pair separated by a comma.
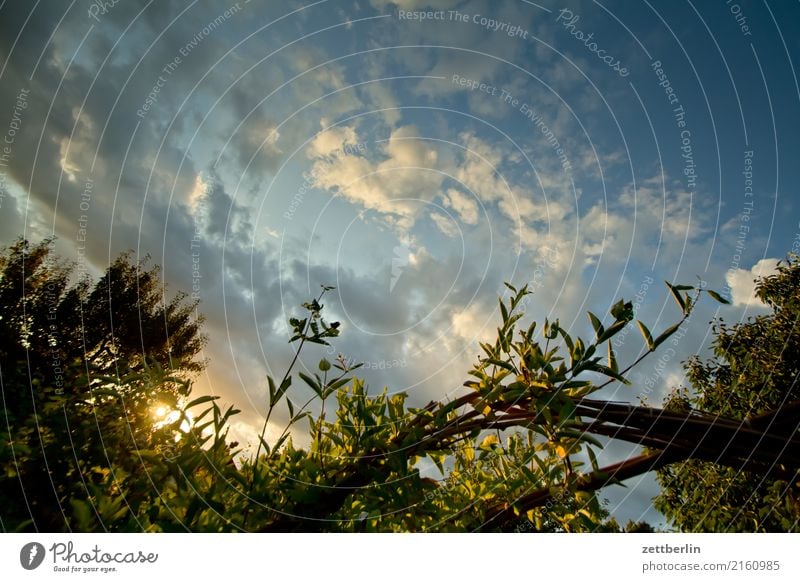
[[445, 224], [380, 97], [463, 205], [480, 169], [10, 217], [474, 323], [332, 141], [397, 187], [642, 222], [742, 282]]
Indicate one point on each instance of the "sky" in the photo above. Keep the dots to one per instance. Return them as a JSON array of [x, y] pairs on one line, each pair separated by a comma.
[[415, 155]]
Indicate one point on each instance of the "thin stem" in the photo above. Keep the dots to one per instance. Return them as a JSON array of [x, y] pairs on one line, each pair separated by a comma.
[[302, 408], [272, 407], [285, 376], [649, 351]]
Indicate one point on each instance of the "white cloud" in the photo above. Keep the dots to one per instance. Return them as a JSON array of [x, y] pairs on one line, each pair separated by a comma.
[[380, 97], [479, 171], [196, 195], [445, 224], [463, 205], [641, 222], [70, 169], [474, 323], [742, 282], [394, 187], [404, 148], [332, 140]]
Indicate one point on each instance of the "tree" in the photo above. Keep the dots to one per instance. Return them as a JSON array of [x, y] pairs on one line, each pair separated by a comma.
[[65, 342], [752, 377]]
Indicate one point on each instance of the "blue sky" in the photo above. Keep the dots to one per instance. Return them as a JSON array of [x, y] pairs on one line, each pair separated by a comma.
[[416, 155]]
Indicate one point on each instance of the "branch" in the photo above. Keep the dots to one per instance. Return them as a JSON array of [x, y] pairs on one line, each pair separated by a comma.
[[609, 475]]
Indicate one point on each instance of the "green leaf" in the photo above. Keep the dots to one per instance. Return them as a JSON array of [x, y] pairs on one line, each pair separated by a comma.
[[281, 441], [646, 335], [567, 340], [566, 411], [201, 400], [265, 446], [596, 324], [488, 442], [612, 359], [610, 373], [438, 460], [576, 353], [542, 466], [619, 311], [676, 295], [554, 327], [503, 310], [500, 363], [592, 459], [717, 297], [336, 384], [312, 382], [587, 438], [667, 332]]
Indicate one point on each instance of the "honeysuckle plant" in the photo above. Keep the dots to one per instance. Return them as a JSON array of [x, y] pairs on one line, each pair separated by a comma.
[[520, 444]]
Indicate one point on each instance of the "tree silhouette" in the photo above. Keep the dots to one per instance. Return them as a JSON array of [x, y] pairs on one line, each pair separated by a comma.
[[63, 341]]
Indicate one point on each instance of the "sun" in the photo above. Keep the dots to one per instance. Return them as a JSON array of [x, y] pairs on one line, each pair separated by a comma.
[[165, 415]]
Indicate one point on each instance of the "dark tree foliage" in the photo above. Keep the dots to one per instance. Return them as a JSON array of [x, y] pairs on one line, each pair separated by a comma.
[[64, 341], [753, 373], [46, 318]]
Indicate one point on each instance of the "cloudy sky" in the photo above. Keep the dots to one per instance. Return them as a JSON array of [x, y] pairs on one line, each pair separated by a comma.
[[415, 155]]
